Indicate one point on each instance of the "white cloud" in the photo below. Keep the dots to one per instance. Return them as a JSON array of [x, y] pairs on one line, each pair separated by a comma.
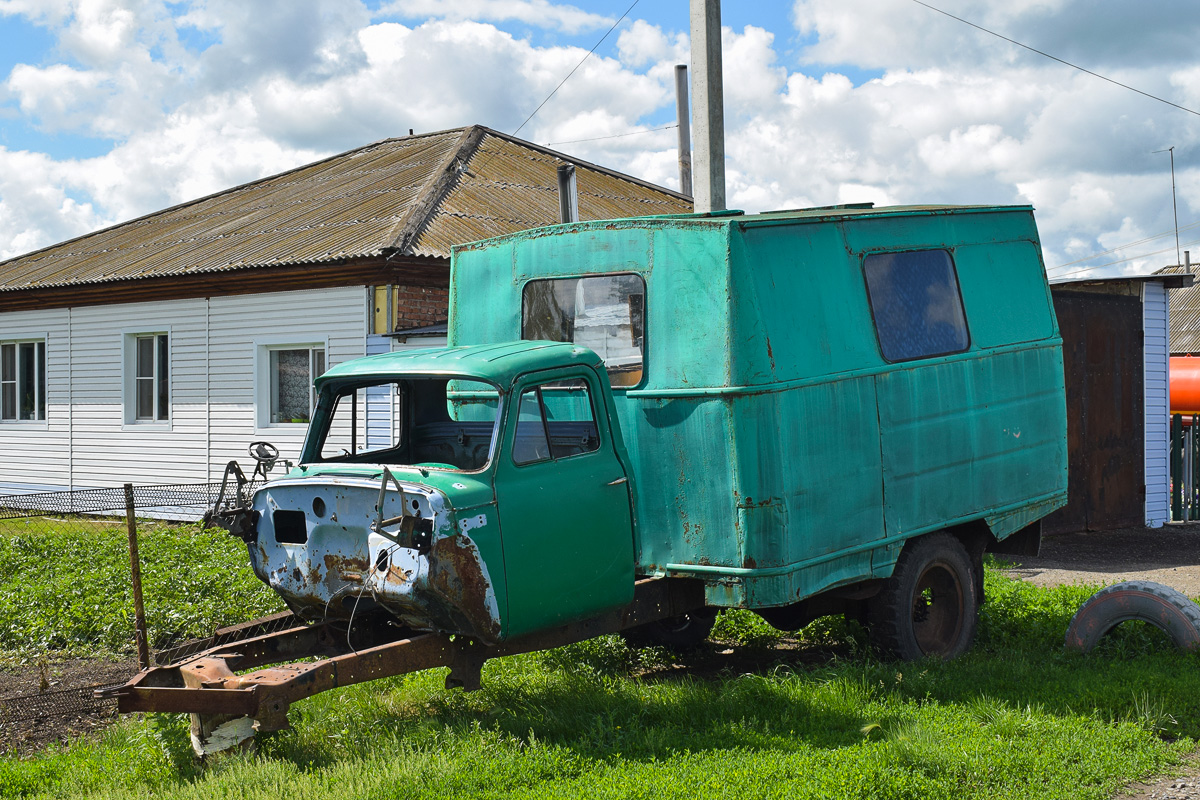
[[540, 13], [956, 116], [36, 205], [642, 43]]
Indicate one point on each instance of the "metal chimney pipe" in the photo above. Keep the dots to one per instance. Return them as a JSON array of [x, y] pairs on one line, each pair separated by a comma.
[[568, 194], [708, 104], [1187, 261], [685, 129]]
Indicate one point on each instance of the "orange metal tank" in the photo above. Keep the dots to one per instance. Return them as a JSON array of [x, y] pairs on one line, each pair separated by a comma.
[[1185, 385]]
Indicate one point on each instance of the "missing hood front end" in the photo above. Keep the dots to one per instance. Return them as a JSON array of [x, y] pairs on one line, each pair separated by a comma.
[[340, 547]]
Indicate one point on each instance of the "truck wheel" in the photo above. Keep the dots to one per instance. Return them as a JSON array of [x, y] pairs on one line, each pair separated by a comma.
[[930, 605], [1161, 606], [685, 632]]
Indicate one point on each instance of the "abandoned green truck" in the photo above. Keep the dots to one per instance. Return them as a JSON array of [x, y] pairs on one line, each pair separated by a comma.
[[640, 422]]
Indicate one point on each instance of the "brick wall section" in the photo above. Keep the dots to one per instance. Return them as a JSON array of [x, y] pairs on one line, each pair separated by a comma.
[[420, 305]]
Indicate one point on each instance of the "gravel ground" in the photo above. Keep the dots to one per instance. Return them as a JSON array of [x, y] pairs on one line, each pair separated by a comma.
[[1169, 555]]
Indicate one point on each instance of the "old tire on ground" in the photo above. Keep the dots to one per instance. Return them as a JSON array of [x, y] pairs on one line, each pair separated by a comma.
[[930, 605], [684, 632], [1161, 606]]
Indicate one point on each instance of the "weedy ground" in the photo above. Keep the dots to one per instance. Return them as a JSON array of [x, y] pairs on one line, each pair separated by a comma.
[[818, 715]]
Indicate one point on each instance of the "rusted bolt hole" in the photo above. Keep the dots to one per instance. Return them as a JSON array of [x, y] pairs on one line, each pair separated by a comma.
[[318, 506], [381, 561]]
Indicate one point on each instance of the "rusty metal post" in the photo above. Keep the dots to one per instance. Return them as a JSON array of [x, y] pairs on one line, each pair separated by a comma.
[[135, 572]]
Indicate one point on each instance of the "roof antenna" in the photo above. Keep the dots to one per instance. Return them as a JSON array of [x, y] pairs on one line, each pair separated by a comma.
[[1174, 206]]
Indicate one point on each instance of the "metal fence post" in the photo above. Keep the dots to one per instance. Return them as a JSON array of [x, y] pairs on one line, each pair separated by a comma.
[[1177, 467], [135, 571], [1194, 469]]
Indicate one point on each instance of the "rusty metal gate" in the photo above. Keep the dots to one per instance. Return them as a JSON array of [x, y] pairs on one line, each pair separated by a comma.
[[1103, 362]]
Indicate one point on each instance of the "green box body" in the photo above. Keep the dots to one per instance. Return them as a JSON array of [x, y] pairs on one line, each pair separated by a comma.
[[773, 451]]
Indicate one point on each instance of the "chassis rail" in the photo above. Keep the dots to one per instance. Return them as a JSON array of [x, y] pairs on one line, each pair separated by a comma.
[[208, 685]]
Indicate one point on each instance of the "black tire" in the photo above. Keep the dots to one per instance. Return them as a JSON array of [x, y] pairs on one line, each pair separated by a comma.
[[1161, 606], [930, 605], [685, 632]]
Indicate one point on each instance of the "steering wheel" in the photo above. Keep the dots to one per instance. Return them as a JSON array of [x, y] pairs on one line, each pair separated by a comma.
[[264, 453]]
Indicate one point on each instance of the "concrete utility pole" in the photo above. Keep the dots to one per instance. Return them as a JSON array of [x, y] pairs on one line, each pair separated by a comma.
[[685, 129], [708, 107]]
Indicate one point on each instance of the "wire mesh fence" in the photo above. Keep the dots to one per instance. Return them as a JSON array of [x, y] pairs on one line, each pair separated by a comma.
[[77, 524]]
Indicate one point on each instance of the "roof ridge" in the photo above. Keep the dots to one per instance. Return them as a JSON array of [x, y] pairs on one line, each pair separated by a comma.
[[579, 162], [405, 232]]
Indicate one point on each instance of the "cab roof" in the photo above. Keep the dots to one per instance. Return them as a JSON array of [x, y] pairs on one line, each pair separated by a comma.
[[500, 364]]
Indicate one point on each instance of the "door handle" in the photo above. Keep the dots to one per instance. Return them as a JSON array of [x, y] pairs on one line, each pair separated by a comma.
[[618, 481]]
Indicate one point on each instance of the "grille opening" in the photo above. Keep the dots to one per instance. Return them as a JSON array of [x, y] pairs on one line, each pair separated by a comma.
[[290, 527]]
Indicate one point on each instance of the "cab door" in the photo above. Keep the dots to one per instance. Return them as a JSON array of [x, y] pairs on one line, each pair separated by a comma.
[[564, 504]]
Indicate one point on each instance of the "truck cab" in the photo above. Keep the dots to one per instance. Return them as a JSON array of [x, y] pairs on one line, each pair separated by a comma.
[[494, 502]]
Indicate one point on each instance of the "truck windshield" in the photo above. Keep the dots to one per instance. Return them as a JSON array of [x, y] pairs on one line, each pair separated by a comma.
[[428, 422]]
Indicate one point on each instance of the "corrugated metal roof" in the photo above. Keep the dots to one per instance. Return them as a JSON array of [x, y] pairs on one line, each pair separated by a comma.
[[1184, 315], [422, 194]]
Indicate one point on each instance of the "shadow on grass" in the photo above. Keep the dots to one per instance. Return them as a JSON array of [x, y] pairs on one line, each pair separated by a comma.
[[601, 699]]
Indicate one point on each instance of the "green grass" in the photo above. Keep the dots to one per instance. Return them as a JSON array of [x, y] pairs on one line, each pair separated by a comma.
[[65, 586], [1016, 717]]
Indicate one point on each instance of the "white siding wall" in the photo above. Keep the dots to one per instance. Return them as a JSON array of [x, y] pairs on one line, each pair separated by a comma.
[[379, 400], [215, 381], [1157, 352]]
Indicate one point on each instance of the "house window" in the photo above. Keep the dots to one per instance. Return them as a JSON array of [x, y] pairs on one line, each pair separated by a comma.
[[292, 371], [22, 381], [916, 304], [603, 312], [151, 377]]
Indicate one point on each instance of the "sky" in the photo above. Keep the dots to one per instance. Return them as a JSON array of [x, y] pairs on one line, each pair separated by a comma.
[[111, 109]]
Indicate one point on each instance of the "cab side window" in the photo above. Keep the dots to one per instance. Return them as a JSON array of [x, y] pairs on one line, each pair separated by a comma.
[[916, 304], [555, 420]]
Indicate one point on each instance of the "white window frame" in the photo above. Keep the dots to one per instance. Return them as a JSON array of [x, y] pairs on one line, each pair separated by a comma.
[[160, 417], [40, 389], [265, 384]]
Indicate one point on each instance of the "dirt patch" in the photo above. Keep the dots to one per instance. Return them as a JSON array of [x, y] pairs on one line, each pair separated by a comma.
[[45, 684], [1169, 555]]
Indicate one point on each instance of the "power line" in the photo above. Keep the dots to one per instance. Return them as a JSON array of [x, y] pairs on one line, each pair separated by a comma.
[[1056, 58], [1112, 250], [1122, 260], [1119, 247], [616, 135], [577, 66]]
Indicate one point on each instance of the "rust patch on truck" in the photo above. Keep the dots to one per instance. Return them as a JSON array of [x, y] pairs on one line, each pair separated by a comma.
[[336, 564], [457, 574]]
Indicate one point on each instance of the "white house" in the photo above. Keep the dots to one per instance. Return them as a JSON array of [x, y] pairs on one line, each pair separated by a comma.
[[155, 351]]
